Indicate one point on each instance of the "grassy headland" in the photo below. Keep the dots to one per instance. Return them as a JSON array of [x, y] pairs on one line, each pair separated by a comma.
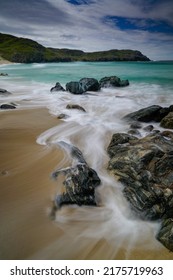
[[22, 50]]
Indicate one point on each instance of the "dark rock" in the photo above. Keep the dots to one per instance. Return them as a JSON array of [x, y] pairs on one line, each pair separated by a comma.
[[151, 113], [165, 235], [4, 92], [167, 122], [134, 132], [89, 84], [145, 168], [62, 116], [167, 133], [3, 74], [75, 106], [113, 81], [135, 125], [7, 106], [148, 128], [80, 182], [74, 87], [57, 87]]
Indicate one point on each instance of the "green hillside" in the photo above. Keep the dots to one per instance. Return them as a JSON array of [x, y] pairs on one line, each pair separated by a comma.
[[24, 50]]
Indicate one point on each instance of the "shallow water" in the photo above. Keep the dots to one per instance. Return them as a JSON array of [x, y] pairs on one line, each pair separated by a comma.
[[105, 232]]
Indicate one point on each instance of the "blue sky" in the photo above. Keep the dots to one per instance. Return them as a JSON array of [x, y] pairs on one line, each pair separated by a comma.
[[91, 25]]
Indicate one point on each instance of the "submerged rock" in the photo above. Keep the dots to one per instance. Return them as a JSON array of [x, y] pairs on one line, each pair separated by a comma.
[[7, 106], [80, 182], [75, 106], [113, 81], [4, 92], [145, 167]]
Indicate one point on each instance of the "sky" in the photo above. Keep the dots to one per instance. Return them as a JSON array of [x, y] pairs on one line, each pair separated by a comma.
[[93, 25]]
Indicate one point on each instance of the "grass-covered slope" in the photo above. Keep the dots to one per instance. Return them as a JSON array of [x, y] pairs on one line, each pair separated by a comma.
[[24, 50]]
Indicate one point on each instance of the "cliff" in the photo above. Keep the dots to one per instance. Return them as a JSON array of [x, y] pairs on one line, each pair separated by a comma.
[[24, 50]]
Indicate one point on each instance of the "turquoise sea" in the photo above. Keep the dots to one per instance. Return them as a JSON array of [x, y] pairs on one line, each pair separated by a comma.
[[151, 83]]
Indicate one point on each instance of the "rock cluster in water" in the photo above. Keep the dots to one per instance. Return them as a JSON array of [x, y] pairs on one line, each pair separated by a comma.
[[90, 84], [145, 167]]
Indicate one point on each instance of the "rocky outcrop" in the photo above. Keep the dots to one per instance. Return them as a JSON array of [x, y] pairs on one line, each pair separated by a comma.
[[80, 181], [145, 167], [113, 81], [57, 87]]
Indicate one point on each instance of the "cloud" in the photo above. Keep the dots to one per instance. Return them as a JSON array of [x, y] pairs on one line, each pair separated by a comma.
[[93, 24]]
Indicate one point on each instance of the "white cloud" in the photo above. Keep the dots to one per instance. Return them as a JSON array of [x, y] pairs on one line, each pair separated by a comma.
[[83, 27]]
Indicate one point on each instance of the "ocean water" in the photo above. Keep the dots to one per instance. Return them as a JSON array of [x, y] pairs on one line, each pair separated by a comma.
[[151, 83]]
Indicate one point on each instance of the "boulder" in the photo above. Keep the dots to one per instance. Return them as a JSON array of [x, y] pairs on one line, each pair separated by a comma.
[[152, 113], [167, 122], [75, 106], [4, 92], [113, 81], [145, 167], [80, 181], [74, 87], [89, 84], [57, 87]]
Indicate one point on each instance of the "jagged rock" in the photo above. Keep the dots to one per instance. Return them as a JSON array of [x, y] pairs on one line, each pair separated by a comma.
[[80, 181], [113, 81], [7, 106], [4, 92], [167, 122], [75, 106], [74, 87], [145, 168], [57, 87]]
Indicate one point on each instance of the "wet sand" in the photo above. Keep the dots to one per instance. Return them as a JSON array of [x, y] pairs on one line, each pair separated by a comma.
[[26, 192], [26, 189]]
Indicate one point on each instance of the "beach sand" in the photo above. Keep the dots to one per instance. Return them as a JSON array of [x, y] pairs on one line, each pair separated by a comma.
[[25, 185], [26, 194]]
